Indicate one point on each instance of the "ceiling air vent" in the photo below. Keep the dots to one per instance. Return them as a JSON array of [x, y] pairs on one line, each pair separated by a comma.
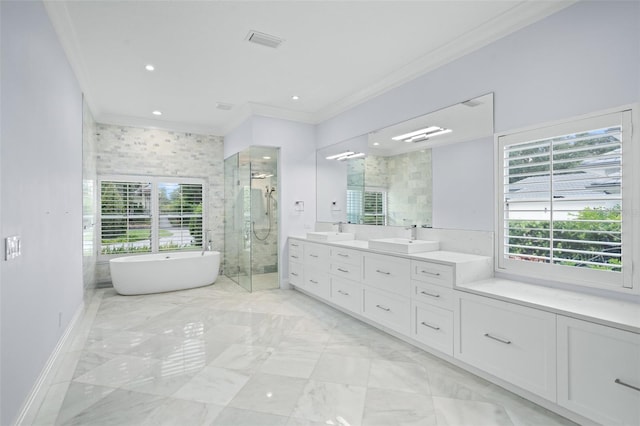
[[263, 39]]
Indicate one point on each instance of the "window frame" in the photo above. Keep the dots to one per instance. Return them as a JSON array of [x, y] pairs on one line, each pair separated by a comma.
[[625, 281], [154, 180]]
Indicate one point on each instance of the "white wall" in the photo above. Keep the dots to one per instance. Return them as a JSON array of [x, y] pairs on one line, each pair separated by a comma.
[[296, 172], [583, 59], [41, 167]]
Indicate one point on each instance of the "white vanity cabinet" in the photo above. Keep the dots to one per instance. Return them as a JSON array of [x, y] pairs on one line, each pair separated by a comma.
[[599, 371], [512, 342]]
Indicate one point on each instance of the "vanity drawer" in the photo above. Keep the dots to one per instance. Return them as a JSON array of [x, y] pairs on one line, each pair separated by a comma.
[[345, 270], [387, 273], [316, 255], [433, 273], [512, 342], [316, 281], [295, 251], [433, 294], [599, 371], [387, 309], [295, 273], [351, 257], [433, 326], [346, 294]]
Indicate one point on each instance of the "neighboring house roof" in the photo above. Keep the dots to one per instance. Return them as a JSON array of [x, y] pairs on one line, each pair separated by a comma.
[[570, 185]]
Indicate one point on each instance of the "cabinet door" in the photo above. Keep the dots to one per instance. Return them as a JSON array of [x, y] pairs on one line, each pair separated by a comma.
[[342, 255], [295, 273], [388, 309], [599, 372], [512, 342], [433, 326], [433, 273], [433, 294], [346, 294], [316, 281], [316, 255], [387, 273]]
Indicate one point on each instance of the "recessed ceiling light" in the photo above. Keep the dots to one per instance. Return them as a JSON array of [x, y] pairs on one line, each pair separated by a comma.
[[157, 112], [266, 157], [376, 143], [295, 97], [149, 67]]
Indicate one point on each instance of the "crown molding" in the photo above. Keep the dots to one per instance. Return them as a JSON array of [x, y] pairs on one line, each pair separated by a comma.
[[516, 18]]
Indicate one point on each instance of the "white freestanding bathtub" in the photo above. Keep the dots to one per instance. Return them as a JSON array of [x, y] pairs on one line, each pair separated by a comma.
[[157, 273]]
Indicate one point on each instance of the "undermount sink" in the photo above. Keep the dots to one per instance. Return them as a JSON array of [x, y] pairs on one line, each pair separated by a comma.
[[331, 236], [403, 245]]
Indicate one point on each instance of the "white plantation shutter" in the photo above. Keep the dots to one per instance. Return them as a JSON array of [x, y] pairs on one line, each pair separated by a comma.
[[150, 215], [375, 207], [125, 217], [562, 201], [180, 216]]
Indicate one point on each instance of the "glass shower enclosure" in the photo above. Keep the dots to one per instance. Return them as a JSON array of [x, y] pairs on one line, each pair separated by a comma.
[[251, 218]]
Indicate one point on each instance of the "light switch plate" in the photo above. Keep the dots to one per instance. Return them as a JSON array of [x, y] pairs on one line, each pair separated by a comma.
[[12, 247]]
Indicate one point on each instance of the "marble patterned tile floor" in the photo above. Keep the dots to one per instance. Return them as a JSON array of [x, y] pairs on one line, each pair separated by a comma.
[[220, 356]]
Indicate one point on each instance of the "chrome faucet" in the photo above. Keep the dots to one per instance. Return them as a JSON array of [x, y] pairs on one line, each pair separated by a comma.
[[414, 231], [339, 225], [206, 244]]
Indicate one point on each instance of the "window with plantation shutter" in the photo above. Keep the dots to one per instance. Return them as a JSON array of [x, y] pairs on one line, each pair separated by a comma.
[[368, 207], [150, 215], [374, 208], [563, 202]]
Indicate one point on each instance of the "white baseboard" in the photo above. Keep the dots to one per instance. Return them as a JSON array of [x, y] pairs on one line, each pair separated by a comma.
[[32, 403]]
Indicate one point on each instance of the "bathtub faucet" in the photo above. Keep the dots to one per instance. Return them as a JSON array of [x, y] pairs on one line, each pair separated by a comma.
[[206, 246]]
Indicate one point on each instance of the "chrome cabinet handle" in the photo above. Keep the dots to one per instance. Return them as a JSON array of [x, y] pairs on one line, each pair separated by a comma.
[[343, 292], [384, 308], [295, 245], [436, 274], [313, 255], [343, 255], [383, 272], [620, 382], [506, 342], [430, 294], [342, 270], [294, 274], [430, 326], [294, 256], [314, 282]]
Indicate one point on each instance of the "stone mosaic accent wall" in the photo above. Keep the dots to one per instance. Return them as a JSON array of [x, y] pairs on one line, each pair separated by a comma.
[[376, 171], [89, 198], [123, 150], [410, 188]]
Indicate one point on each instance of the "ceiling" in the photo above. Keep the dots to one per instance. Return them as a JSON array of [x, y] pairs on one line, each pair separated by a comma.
[[335, 54]]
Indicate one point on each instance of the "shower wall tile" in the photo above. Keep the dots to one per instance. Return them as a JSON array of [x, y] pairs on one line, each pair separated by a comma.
[[123, 150]]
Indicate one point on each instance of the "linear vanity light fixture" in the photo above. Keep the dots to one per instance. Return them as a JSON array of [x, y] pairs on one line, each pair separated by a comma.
[[422, 134], [350, 156], [342, 154]]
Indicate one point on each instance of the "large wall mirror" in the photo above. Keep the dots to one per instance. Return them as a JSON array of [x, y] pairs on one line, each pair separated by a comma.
[[385, 177]]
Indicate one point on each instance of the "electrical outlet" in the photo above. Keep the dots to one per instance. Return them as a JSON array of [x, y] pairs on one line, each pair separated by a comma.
[[12, 247]]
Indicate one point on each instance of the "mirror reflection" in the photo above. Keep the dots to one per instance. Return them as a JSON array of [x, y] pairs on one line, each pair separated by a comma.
[[385, 177]]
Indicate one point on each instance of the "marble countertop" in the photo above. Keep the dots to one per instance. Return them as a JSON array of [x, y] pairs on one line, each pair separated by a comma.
[[610, 312], [439, 256]]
